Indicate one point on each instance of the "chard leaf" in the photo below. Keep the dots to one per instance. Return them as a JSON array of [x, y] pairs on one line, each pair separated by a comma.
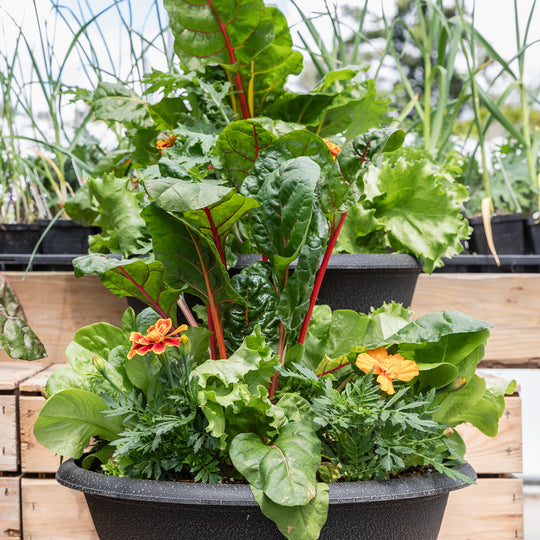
[[218, 32], [350, 111], [284, 470], [297, 522], [290, 145], [9, 302], [190, 259], [294, 300], [254, 285], [180, 195], [344, 185], [114, 102], [18, 339], [267, 72], [136, 278], [70, 417], [280, 226], [216, 220], [239, 146]]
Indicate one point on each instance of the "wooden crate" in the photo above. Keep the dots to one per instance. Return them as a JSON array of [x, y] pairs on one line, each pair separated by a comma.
[[57, 304], [12, 373], [10, 507], [490, 510], [493, 508], [508, 301], [35, 458], [51, 511], [502, 454]]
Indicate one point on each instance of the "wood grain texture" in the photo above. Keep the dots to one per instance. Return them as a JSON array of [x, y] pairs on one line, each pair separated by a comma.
[[35, 458], [508, 301], [51, 511], [9, 446], [13, 372], [57, 304], [502, 454], [490, 510], [10, 507]]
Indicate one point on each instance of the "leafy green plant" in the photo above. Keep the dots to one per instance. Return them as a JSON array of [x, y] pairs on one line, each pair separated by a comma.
[[46, 150], [524, 141], [248, 391]]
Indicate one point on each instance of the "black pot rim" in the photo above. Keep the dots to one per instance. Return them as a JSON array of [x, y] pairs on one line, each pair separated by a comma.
[[497, 218], [361, 261], [71, 475]]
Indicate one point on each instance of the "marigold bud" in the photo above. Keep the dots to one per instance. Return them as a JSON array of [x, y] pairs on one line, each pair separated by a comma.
[[99, 364], [448, 432]]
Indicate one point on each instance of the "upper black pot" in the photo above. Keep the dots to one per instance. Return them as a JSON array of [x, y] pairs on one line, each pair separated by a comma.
[[359, 282], [124, 508]]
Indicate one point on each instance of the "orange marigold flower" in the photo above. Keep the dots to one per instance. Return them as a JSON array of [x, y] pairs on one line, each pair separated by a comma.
[[161, 144], [157, 338], [387, 366], [334, 148]]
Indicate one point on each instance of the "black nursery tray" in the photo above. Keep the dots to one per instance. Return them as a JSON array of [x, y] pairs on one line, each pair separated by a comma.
[[16, 261]]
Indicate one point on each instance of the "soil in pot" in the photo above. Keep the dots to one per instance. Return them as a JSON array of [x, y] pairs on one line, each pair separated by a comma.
[[124, 508]]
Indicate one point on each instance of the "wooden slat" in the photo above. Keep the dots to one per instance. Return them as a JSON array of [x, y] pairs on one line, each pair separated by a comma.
[[9, 448], [501, 454], [10, 507], [57, 304], [36, 383], [490, 510], [13, 372], [50, 510], [35, 458], [508, 301]]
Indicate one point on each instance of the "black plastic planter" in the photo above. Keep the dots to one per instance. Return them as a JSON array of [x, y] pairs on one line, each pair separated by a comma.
[[532, 230], [65, 236], [508, 235], [124, 508], [19, 237], [359, 282]]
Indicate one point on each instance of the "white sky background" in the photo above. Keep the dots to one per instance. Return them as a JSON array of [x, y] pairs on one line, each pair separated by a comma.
[[494, 19]]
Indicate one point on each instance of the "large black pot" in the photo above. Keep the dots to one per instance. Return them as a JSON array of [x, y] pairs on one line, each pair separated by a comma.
[[359, 282], [124, 508]]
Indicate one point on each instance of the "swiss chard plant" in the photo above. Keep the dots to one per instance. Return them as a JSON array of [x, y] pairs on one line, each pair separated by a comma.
[[261, 382]]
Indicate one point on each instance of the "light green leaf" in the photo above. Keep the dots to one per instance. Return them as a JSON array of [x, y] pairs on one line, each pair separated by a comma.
[[70, 417], [297, 522], [286, 469], [114, 102]]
